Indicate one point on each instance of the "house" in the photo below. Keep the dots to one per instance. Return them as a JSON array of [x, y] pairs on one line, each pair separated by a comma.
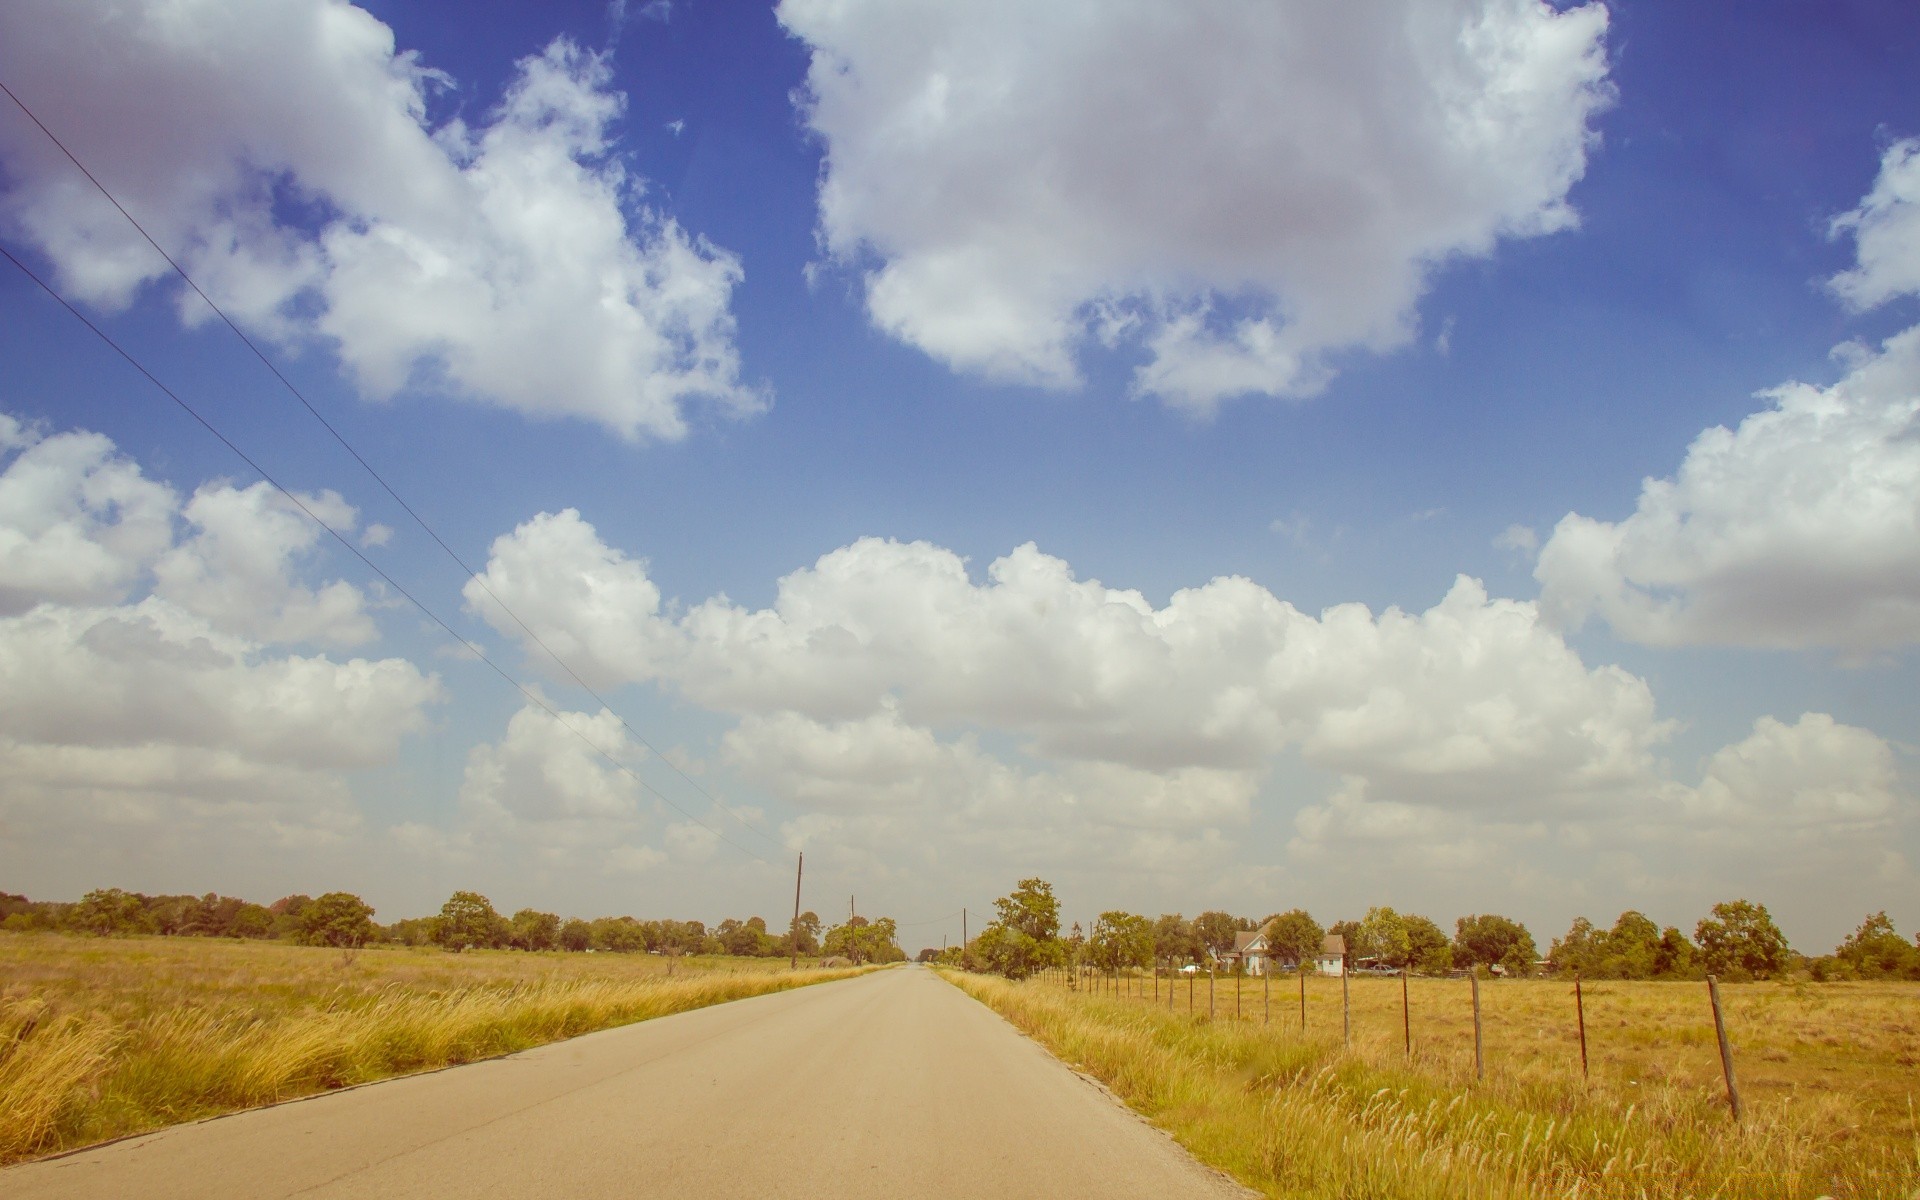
[[1252, 947], [1332, 959]]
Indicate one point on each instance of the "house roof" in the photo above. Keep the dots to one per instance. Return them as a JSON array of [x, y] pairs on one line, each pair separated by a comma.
[[1334, 947], [1249, 939]]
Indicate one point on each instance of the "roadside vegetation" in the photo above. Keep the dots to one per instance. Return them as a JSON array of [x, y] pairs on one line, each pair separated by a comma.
[[1233, 1035], [104, 1037], [1829, 1073]]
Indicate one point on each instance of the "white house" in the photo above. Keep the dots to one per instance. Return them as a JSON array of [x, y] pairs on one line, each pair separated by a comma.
[[1333, 956], [1252, 947]]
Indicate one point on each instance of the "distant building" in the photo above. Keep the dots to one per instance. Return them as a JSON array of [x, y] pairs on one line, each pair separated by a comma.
[[1252, 947], [1333, 956]]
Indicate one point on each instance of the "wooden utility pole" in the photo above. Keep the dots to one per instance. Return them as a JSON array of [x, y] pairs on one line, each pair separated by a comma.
[[794, 935]]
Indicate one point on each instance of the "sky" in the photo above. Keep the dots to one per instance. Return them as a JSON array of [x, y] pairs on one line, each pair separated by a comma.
[[1461, 455]]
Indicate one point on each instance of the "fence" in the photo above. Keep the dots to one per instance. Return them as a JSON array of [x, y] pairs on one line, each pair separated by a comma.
[[1432, 1017]]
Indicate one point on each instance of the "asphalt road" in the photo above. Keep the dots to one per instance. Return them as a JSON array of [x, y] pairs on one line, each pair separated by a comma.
[[893, 1084]]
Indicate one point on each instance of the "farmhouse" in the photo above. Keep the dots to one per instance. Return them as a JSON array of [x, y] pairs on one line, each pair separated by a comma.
[[1333, 956], [1252, 947]]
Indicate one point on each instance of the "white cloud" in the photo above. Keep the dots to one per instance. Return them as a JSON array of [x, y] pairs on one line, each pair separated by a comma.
[[236, 569], [1519, 538], [1239, 189], [508, 261], [1797, 529], [544, 778], [863, 655], [78, 523], [1816, 773], [1886, 231], [128, 716]]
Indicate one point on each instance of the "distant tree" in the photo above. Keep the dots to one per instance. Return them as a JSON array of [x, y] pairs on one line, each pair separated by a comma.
[[1490, 939], [1025, 935], [107, 912], [1121, 940], [748, 939], [467, 920], [576, 935], [620, 935], [1382, 936], [864, 940], [1174, 939], [808, 931], [336, 919], [1741, 937], [286, 915], [534, 930], [1875, 951], [1295, 937], [1428, 948], [1216, 929], [1675, 957]]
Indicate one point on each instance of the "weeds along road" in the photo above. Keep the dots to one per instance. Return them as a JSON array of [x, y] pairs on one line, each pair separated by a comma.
[[894, 1084]]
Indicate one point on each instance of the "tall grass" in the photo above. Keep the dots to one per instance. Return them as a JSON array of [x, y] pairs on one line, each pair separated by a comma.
[[1301, 1115], [103, 1039]]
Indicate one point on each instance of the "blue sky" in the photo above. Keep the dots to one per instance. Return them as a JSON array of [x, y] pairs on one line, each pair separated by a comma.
[[1320, 359]]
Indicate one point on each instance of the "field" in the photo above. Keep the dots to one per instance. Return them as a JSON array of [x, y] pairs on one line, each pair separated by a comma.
[[100, 1038], [1830, 1076]]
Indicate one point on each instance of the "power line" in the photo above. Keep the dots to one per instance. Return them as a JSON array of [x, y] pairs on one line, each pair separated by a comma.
[[522, 688], [368, 467]]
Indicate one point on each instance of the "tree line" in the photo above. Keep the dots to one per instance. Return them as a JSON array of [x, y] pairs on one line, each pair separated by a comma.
[[1737, 940], [467, 920]]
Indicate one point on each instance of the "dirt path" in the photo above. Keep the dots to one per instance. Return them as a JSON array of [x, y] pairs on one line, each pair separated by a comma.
[[889, 1085]]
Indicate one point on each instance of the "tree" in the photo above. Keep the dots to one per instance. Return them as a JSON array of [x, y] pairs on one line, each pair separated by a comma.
[[1216, 929], [1382, 937], [807, 939], [1025, 936], [467, 920], [336, 919], [105, 912], [1174, 939], [1493, 940], [1428, 949], [533, 930], [576, 935], [619, 935], [1875, 951], [1295, 937], [1740, 936], [1121, 940], [1675, 957], [865, 941]]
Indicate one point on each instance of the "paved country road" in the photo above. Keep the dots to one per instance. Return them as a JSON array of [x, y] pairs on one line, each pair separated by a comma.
[[894, 1084]]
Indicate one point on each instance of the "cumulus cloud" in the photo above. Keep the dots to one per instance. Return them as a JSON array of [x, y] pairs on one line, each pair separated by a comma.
[[1236, 189], [863, 654], [544, 777], [1813, 774], [126, 708], [302, 184], [1886, 232], [79, 524], [1798, 529], [237, 569]]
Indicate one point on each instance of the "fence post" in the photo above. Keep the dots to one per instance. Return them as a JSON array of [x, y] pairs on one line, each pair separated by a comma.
[[1580, 1009], [1346, 1009], [1303, 998], [1266, 992], [1726, 1051], [1479, 1055], [1406, 1012], [1210, 1007]]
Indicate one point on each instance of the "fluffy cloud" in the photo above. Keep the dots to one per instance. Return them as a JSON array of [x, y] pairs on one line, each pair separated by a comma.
[[1237, 188], [864, 653], [172, 712], [78, 523], [237, 568], [1799, 528], [1814, 774], [546, 773], [1886, 231], [301, 183]]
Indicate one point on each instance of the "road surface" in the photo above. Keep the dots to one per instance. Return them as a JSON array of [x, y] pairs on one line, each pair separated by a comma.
[[894, 1084]]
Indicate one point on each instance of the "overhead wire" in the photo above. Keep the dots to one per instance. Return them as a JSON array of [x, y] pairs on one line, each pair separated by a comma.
[[368, 467], [531, 695]]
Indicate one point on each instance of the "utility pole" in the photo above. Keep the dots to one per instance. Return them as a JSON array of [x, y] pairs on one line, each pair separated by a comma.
[[963, 935], [794, 937]]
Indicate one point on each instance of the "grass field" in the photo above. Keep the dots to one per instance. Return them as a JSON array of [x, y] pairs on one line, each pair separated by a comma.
[[1830, 1075], [104, 1037]]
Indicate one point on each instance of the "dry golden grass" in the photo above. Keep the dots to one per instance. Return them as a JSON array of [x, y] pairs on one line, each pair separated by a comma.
[[102, 1038], [1827, 1073]]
